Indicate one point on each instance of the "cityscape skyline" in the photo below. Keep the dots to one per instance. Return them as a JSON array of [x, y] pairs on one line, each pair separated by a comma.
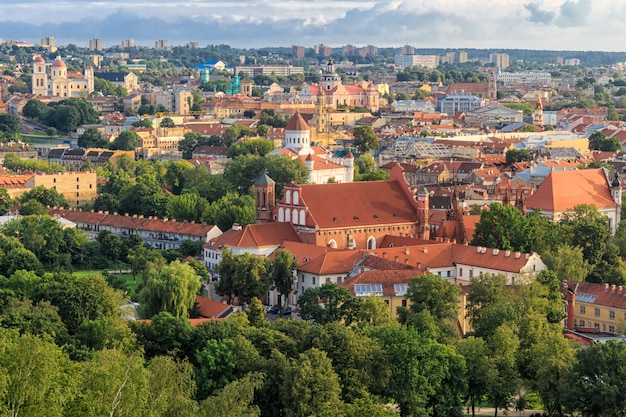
[[482, 24]]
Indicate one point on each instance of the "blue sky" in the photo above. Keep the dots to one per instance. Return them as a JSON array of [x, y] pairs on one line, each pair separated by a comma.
[[526, 24]]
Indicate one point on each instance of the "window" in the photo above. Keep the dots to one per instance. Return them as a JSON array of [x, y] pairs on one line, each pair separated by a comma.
[[604, 327], [612, 329], [400, 289], [365, 290], [77, 186], [596, 325], [612, 314], [302, 278], [77, 194], [90, 186], [471, 273], [313, 280], [582, 309], [403, 303], [328, 280], [338, 280], [596, 312], [461, 274]]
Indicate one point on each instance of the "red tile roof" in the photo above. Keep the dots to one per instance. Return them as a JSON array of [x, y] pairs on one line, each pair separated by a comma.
[[256, 235], [599, 294], [134, 222], [297, 123], [562, 190], [370, 203], [336, 262], [386, 278], [208, 308]]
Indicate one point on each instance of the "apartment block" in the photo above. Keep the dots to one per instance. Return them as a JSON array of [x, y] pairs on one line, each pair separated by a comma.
[[95, 44]]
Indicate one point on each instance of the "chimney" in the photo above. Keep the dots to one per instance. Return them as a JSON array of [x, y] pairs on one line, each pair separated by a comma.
[[425, 249], [496, 252], [517, 255], [619, 289], [454, 241], [507, 253], [606, 286], [613, 288], [570, 298], [406, 251], [478, 249], [236, 226]]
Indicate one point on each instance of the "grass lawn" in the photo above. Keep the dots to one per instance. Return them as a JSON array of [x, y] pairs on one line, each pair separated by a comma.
[[123, 281]]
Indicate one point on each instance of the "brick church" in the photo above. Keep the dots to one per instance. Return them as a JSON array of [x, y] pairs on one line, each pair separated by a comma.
[[346, 215]]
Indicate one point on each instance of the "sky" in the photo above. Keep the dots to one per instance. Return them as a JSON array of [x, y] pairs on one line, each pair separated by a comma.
[[495, 24]]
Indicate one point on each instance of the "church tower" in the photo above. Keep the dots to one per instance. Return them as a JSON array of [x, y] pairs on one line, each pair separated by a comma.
[[538, 112], [423, 231], [329, 79], [265, 198], [298, 135], [40, 77]]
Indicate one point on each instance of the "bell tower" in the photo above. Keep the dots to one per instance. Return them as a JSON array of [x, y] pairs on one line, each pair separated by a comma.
[[265, 198], [40, 77]]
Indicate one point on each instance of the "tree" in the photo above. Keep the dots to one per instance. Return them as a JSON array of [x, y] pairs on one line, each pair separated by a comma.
[[51, 132], [365, 139], [35, 375], [595, 386], [282, 271], [567, 263], [92, 138], [503, 227], [503, 348], [517, 155], [244, 276], [598, 141], [189, 143], [46, 196], [431, 293], [216, 365], [9, 126], [480, 369], [142, 123], [310, 385], [173, 288], [230, 209], [64, 117], [256, 313], [364, 164], [235, 399], [34, 109], [6, 202], [171, 388], [125, 141], [326, 304], [588, 229], [167, 122], [249, 114], [111, 245]]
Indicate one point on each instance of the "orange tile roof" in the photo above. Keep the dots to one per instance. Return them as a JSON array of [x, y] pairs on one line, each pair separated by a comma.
[[208, 308], [336, 262], [370, 203], [599, 294], [297, 123], [193, 322], [303, 252], [386, 278], [432, 255], [562, 190], [255, 235], [134, 222], [501, 260]]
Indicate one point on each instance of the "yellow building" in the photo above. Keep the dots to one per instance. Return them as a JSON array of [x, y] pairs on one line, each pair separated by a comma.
[[601, 307], [60, 82], [78, 188]]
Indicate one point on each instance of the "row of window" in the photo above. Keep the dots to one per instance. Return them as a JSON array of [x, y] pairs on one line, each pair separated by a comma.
[[582, 323], [596, 312]]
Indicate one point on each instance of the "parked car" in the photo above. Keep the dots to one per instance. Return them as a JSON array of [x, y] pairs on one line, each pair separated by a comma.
[[274, 310]]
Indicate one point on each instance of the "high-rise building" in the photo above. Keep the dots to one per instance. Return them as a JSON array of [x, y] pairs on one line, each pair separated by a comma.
[[500, 60], [407, 50], [192, 45], [323, 50], [48, 43], [297, 51], [462, 57], [127, 43], [160, 44], [95, 44], [426, 61]]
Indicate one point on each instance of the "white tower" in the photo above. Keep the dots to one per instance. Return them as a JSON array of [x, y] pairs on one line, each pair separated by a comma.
[[298, 135]]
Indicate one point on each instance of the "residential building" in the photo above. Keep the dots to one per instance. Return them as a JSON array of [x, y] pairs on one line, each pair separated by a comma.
[[254, 70], [323, 50], [501, 61], [158, 233], [95, 44], [78, 188], [127, 43], [297, 51], [426, 61], [160, 44], [601, 307], [525, 77], [22, 150]]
